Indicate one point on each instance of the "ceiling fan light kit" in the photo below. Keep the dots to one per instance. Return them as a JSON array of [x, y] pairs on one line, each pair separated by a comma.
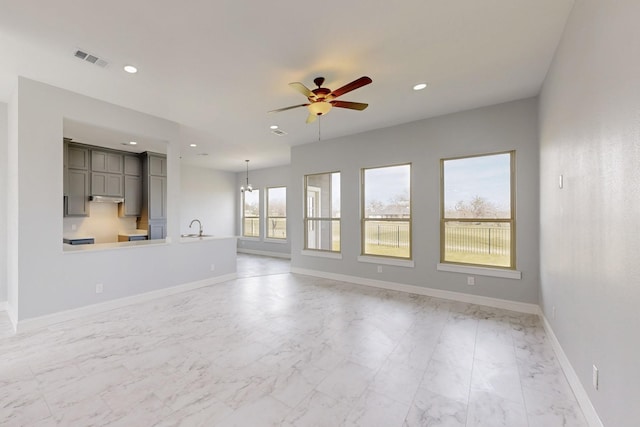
[[322, 99]]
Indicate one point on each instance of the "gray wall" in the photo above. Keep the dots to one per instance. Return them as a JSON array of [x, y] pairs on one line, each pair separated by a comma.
[[590, 133], [263, 178], [510, 126], [210, 196], [4, 132]]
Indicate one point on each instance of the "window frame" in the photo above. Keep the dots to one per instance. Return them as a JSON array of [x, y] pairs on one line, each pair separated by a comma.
[[364, 219], [268, 217], [244, 217], [511, 220], [331, 219]]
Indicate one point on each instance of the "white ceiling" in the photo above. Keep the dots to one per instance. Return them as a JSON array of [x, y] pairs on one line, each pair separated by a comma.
[[218, 66]]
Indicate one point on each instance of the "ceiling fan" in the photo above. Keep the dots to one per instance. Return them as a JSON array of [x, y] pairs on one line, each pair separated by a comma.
[[322, 99]]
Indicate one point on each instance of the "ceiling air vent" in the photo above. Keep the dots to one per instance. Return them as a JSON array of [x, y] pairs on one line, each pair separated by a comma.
[[279, 132], [91, 58]]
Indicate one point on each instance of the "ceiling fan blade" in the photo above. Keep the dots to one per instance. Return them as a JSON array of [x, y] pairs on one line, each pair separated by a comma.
[[302, 89], [351, 105], [358, 83], [311, 118], [287, 108]]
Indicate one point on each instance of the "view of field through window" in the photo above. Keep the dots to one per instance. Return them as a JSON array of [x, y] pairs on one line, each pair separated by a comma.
[[477, 210], [277, 213], [386, 221], [251, 213]]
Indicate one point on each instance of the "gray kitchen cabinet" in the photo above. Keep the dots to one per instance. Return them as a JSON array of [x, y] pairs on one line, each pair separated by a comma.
[[132, 165], [105, 161], [157, 197], [77, 157], [106, 184], [153, 216], [76, 198], [157, 230], [132, 196], [75, 180], [157, 165]]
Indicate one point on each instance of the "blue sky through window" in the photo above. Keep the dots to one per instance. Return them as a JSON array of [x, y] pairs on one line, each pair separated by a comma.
[[484, 176]]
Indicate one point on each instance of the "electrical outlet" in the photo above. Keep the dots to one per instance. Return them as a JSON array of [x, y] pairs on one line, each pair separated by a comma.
[[553, 312], [213, 267], [99, 288], [379, 269], [471, 280], [595, 376]]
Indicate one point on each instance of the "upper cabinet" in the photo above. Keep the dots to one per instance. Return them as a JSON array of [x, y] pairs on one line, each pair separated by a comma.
[[77, 157], [102, 172], [106, 184], [104, 161], [132, 165], [76, 180], [132, 187], [157, 165]]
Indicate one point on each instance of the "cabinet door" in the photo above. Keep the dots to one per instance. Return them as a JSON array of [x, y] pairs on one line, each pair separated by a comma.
[[157, 230], [157, 197], [157, 165], [106, 184], [102, 161], [132, 165], [132, 196], [77, 200], [77, 157]]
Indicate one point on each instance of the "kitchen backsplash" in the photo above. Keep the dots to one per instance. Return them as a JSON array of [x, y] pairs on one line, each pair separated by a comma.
[[103, 223]]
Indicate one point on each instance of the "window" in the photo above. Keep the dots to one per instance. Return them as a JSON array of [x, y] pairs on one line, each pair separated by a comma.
[[277, 213], [477, 210], [386, 211], [251, 213], [322, 212]]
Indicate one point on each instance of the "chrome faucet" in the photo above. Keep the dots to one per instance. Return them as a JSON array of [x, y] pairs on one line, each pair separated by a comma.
[[200, 224]]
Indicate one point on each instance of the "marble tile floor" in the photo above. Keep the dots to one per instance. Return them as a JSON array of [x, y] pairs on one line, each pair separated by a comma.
[[252, 265], [287, 350]]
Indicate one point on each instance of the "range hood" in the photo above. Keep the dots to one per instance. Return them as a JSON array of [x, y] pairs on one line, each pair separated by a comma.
[[106, 199]]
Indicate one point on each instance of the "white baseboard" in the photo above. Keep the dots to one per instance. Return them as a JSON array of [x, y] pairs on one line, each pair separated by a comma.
[[578, 389], [264, 253], [50, 319], [520, 307], [13, 317]]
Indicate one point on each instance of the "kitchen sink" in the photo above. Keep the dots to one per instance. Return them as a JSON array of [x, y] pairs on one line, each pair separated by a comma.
[[195, 236]]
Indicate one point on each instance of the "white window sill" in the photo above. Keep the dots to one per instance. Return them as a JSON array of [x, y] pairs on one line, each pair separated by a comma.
[[249, 239], [480, 271], [281, 241], [322, 254], [387, 261]]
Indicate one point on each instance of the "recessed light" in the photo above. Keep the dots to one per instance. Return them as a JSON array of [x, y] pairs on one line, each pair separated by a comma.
[[133, 143], [193, 145], [273, 127], [130, 69], [420, 86]]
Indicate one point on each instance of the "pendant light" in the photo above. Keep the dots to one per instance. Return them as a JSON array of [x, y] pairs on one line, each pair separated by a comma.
[[248, 186]]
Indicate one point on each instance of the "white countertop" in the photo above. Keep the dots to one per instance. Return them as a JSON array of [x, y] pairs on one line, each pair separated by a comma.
[[67, 248], [132, 233]]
